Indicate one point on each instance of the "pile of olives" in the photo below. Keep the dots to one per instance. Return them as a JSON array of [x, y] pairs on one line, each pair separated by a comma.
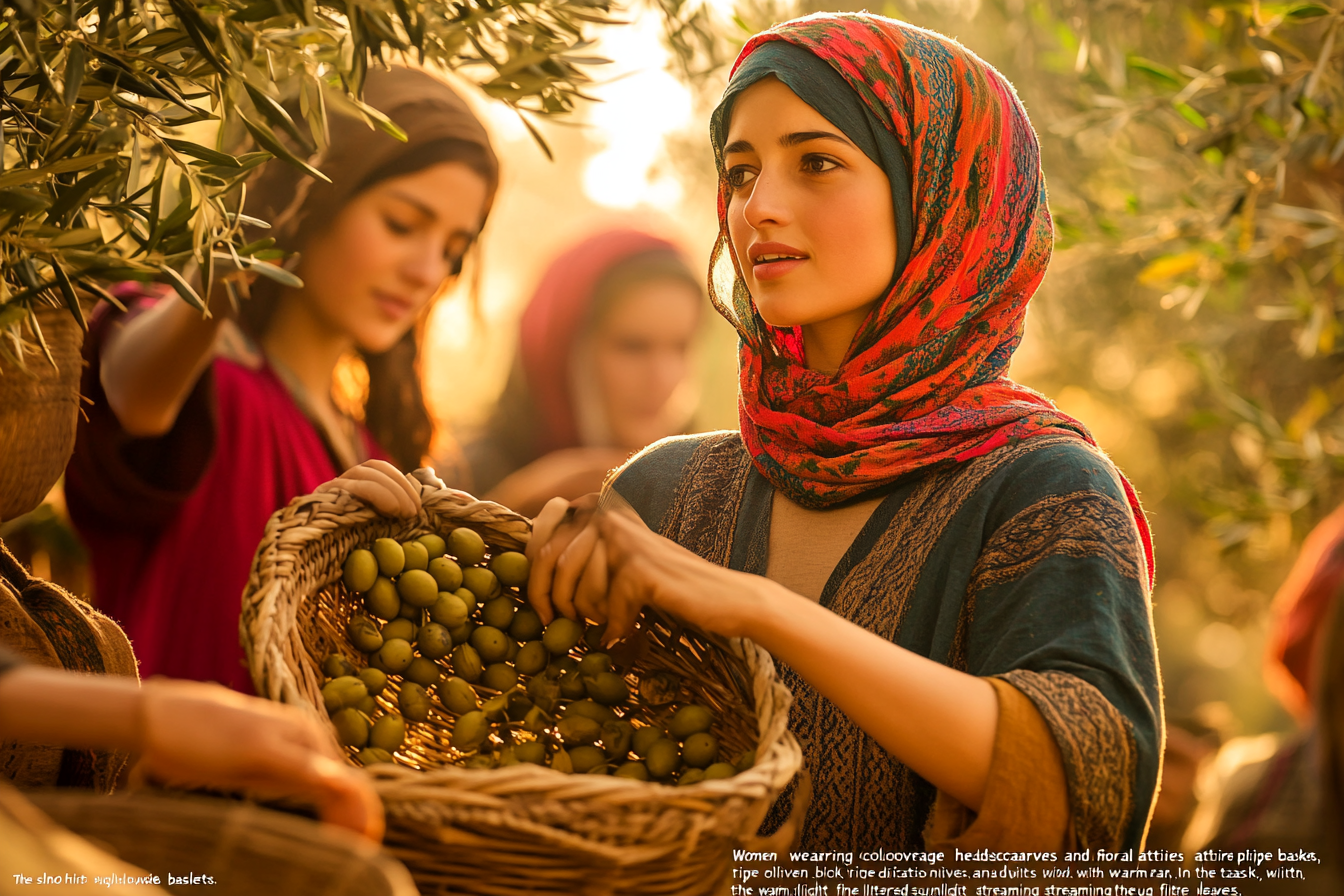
[[454, 633]]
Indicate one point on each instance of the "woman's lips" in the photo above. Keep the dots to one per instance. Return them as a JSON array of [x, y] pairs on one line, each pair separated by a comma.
[[773, 270], [393, 306], [772, 260]]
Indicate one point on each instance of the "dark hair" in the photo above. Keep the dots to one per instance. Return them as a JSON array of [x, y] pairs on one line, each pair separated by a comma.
[[394, 412]]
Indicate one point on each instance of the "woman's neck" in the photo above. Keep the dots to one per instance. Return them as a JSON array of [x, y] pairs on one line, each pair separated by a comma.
[[307, 347], [826, 342]]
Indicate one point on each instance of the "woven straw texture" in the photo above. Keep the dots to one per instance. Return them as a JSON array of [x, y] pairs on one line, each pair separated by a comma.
[[521, 828], [247, 850], [39, 407]]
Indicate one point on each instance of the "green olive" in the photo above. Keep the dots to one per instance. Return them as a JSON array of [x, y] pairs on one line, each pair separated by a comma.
[[578, 730], [700, 750], [511, 567], [690, 719], [526, 625], [413, 701], [411, 612], [462, 634], [499, 677], [663, 759], [594, 664], [434, 641], [391, 558], [561, 635], [395, 655], [534, 751], [562, 763], [532, 658], [352, 728], [561, 665], [586, 758], [496, 708], [544, 692], [382, 599], [571, 685], [388, 733], [465, 595], [632, 769], [375, 662], [691, 776], [745, 761], [341, 693], [457, 696], [374, 679], [512, 653], [591, 710], [335, 665], [448, 610], [592, 636], [402, 629], [367, 705], [373, 756], [482, 760], [470, 731], [492, 643], [643, 738], [446, 573], [609, 689], [519, 706], [418, 588], [360, 570], [480, 582], [616, 738], [434, 544], [417, 555], [363, 634], [536, 720], [498, 612], [424, 672], [467, 663], [719, 770], [466, 546]]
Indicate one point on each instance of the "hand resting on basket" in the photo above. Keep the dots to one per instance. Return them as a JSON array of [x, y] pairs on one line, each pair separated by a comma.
[[382, 486], [192, 734]]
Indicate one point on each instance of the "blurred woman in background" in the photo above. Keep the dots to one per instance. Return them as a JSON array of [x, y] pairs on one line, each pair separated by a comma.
[[201, 428], [601, 371]]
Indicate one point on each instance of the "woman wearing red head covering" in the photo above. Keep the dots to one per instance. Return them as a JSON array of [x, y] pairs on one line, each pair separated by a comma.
[[952, 578], [601, 372]]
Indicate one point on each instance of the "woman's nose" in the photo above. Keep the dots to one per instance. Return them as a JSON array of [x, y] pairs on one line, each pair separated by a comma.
[[425, 265], [766, 204]]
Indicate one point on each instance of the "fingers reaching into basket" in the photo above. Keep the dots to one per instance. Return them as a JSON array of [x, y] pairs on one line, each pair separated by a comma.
[[199, 734], [560, 525], [380, 485]]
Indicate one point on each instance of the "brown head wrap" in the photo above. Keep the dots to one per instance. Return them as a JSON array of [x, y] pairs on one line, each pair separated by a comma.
[[298, 205]]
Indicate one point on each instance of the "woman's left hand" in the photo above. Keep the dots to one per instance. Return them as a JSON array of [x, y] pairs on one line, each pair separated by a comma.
[[380, 485], [628, 566]]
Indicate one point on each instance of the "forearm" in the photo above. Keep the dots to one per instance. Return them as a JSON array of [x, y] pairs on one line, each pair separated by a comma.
[[150, 365], [938, 721], [53, 706]]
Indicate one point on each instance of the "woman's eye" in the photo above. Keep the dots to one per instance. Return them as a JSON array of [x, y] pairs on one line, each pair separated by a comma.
[[400, 228], [818, 164], [739, 176]]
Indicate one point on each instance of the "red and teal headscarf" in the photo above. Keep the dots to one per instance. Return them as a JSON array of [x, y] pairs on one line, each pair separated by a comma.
[[923, 384]]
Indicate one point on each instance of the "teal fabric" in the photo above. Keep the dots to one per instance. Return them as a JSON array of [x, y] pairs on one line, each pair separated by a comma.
[[1034, 575], [824, 89]]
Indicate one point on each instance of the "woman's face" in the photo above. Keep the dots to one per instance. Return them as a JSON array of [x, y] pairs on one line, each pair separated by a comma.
[[388, 252], [809, 215], [641, 354]]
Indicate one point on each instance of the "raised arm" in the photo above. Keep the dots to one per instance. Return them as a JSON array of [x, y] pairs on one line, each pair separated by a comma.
[[150, 365]]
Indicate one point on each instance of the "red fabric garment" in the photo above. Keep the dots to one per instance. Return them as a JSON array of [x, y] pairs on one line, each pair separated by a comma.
[[923, 382], [1301, 609], [555, 318], [172, 524]]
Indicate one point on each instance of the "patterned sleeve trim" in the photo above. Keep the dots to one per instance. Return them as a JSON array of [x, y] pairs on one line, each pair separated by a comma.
[[1079, 524], [1026, 804], [1097, 745]]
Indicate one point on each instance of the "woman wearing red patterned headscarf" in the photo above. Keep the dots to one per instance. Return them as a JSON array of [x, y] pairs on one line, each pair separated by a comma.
[[602, 370], [952, 577]]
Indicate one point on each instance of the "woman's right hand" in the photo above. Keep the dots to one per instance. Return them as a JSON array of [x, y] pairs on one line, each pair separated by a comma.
[[380, 485], [563, 530], [197, 734]]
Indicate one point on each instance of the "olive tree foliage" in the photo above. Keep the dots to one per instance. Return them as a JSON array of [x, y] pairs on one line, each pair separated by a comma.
[[104, 176]]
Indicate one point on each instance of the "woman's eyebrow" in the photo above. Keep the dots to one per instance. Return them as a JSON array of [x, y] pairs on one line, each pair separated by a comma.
[[411, 200], [804, 136], [737, 146]]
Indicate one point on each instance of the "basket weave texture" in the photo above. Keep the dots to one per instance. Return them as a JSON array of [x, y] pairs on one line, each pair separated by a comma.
[[520, 828]]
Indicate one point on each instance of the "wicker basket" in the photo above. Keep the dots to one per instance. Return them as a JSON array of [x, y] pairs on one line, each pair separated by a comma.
[[521, 828], [245, 849]]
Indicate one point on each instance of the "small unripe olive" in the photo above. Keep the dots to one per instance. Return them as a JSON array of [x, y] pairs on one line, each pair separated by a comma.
[[434, 641], [418, 588], [446, 573], [457, 696], [382, 599], [719, 770], [363, 634], [335, 665], [395, 655], [417, 555], [499, 677], [498, 612], [466, 546], [511, 567], [470, 731], [526, 625], [413, 701], [492, 643], [424, 672], [532, 658], [374, 679], [434, 544], [352, 728], [561, 635], [391, 558], [688, 720], [467, 663], [480, 582], [448, 610], [388, 733], [632, 769], [360, 570]]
